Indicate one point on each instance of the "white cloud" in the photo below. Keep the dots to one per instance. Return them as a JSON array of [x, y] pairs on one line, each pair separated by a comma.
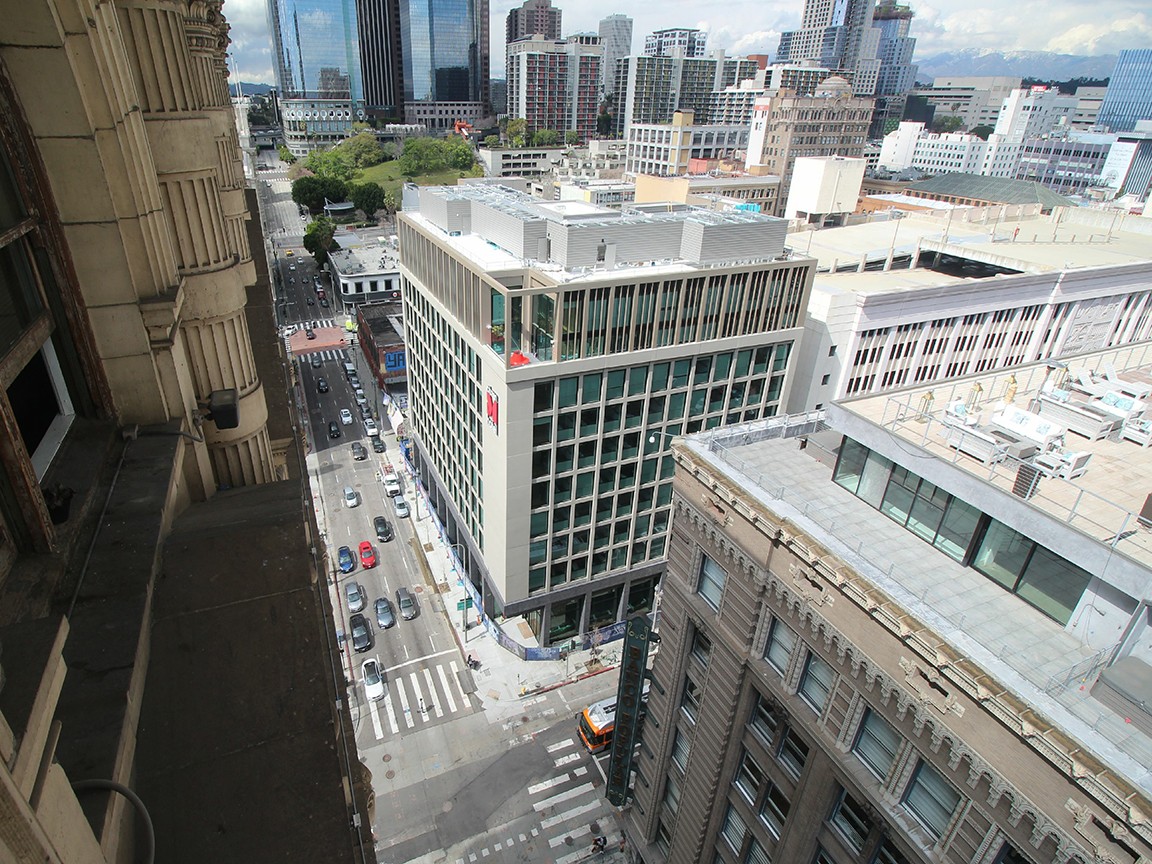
[[754, 26]]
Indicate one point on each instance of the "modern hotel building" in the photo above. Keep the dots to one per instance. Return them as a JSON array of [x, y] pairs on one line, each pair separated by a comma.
[[554, 349]]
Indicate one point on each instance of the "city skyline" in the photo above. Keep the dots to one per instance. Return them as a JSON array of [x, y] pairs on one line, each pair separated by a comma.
[[750, 27]]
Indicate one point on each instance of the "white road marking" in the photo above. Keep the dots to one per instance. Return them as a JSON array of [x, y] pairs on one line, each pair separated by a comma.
[[499, 846], [570, 814], [573, 834], [523, 838], [376, 727], [407, 710], [563, 745], [580, 772], [564, 760], [391, 713], [432, 693], [563, 796], [418, 659], [484, 853], [421, 705], [456, 678], [533, 700], [447, 690], [547, 784]]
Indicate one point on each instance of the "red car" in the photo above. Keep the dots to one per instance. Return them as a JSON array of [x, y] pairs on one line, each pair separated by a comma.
[[367, 555]]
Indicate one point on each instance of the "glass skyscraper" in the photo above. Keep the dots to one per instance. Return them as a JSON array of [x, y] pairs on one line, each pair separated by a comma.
[[318, 71], [445, 48], [1129, 96]]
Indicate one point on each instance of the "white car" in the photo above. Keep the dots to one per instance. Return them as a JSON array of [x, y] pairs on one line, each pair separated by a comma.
[[373, 680], [370, 427], [401, 506], [351, 497], [345, 417]]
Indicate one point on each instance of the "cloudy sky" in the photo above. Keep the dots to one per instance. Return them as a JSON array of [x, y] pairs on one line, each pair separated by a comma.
[[753, 26]]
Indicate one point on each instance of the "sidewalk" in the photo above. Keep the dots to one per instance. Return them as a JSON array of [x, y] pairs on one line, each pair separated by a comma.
[[502, 677]]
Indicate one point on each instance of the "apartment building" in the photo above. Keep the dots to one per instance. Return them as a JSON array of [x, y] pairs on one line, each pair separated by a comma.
[[676, 41], [909, 146], [840, 36], [553, 350], [831, 122], [533, 18], [555, 84], [734, 104], [666, 149], [1069, 164], [616, 37], [651, 89], [880, 643]]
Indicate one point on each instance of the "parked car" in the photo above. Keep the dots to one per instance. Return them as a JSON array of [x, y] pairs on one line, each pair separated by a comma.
[[383, 529], [345, 560], [361, 633], [351, 497], [324, 302], [385, 617], [391, 483], [367, 555], [345, 417], [402, 511], [353, 593], [358, 451], [333, 430], [378, 444], [406, 604], [370, 427], [322, 385], [373, 680]]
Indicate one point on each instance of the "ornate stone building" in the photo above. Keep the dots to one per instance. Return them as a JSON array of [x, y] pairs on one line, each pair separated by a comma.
[[128, 296]]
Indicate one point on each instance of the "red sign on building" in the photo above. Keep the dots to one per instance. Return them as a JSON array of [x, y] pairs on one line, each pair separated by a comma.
[[492, 409]]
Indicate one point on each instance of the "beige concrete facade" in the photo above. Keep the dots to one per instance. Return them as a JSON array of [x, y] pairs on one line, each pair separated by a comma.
[[781, 654]]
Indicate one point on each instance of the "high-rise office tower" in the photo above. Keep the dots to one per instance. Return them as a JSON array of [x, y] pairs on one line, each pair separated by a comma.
[[616, 37], [897, 75], [553, 352], [837, 34], [446, 61], [555, 84], [533, 18], [676, 41], [380, 56], [1129, 96], [317, 62], [885, 639]]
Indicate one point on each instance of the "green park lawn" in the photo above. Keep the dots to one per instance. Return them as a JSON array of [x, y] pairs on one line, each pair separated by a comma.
[[387, 175]]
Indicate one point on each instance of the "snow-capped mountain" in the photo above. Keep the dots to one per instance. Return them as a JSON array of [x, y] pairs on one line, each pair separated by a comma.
[[1023, 64]]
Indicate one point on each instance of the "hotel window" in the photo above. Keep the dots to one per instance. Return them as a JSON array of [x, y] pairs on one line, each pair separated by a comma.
[[931, 799], [816, 682], [690, 701], [763, 721], [877, 744], [749, 777], [681, 749], [793, 753], [672, 794], [889, 854], [852, 821], [757, 854], [781, 642], [734, 829], [710, 583], [774, 810]]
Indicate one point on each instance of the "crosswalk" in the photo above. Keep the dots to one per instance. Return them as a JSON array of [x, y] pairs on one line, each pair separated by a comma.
[[569, 811], [418, 697]]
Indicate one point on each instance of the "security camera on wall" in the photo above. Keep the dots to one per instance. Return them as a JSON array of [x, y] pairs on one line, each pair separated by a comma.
[[224, 409]]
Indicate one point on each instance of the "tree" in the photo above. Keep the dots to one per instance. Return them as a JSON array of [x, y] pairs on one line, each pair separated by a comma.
[[319, 238], [329, 163], [285, 154], [368, 197], [981, 131], [492, 141], [388, 150], [571, 137], [517, 131], [311, 191], [458, 153], [362, 150], [421, 156], [948, 123], [545, 138]]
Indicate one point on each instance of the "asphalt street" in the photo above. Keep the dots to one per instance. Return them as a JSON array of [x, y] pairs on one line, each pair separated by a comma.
[[459, 776]]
